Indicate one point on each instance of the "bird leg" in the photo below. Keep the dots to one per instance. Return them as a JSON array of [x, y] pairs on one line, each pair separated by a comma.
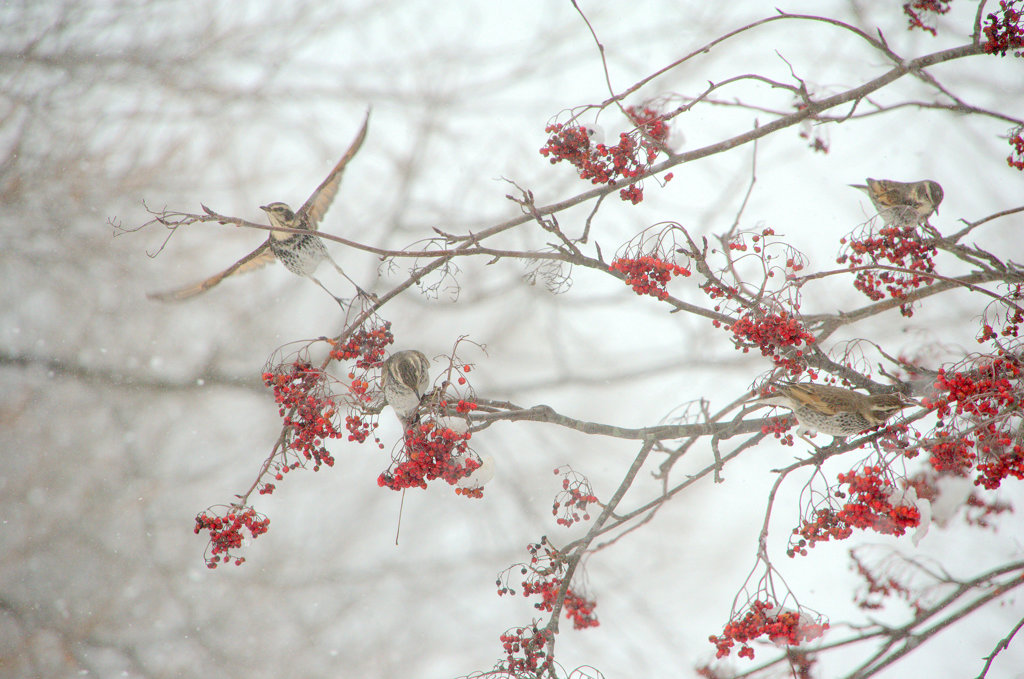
[[821, 452], [802, 433], [342, 302], [359, 290]]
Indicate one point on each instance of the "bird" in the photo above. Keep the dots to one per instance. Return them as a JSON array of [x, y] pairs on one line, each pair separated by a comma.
[[836, 411], [903, 204], [405, 377], [300, 253]]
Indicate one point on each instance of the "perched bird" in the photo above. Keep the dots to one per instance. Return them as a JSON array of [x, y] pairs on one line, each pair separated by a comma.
[[300, 253], [405, 378], [835, 411], [903, 204]]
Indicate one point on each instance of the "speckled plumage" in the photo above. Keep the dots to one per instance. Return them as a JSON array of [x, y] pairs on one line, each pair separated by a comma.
[[903, 204], [301, 254], [835, 411], [405, 378]]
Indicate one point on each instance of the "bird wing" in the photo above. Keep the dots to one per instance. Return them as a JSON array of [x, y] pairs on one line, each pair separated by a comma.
[[256, 259], [316, 207], [809, 397], [889, 193]]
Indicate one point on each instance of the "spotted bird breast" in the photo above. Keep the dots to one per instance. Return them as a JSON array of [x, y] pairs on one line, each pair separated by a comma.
[[843, 423], [301, 254], [900, 216], [402, 399]]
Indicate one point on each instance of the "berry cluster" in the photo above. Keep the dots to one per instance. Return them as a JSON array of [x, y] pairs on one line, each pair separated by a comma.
[[577, 608], [653, 125], [1016, 157], [770, 333], [360, 427], [1001, 466], [714, 291], [817, 135], [763, 618], [779, 428], [826, 526], [895, 246], [545, 560], [896, 439], [572, 144], [226, 532], [979, 511], [524, 651], [542, 577], [648, 275], [978, 413], [878, 588], [759, 240], [366, 345], [950, 453], [1004, 31], [546, 588], [431, 452], [992, 387], [1010, 322], [307, 409], [580, 610], [601, 164], [576, 494], [915, 9], [869, 507], [476, 492], [769, 253]]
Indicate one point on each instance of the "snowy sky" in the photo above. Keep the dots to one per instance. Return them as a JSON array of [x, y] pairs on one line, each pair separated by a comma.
[[146, 414]]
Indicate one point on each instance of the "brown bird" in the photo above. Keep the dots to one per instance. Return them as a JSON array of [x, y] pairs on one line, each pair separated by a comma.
[[903, 204], [405, 377], [835, 411], [300, 253]]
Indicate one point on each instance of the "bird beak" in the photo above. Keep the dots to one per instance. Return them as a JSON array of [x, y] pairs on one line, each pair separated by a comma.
[[910, 401], [264, 208]]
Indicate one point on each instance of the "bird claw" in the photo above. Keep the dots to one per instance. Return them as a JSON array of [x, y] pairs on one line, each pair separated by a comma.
[[819, 456], [821, 453]]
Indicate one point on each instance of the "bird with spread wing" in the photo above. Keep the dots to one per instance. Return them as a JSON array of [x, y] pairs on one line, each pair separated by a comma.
[[301, 253]]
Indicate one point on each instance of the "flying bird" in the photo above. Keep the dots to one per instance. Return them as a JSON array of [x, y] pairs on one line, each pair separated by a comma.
[[300, 253]]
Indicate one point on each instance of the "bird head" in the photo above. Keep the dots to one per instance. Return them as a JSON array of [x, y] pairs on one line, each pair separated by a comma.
[[280, 215], [884, 406], [932, 196], [409, 368]]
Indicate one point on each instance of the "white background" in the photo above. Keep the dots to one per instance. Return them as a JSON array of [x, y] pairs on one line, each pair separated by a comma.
[[121, 418]]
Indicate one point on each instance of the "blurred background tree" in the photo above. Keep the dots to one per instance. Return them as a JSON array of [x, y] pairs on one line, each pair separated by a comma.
[[123, 418]]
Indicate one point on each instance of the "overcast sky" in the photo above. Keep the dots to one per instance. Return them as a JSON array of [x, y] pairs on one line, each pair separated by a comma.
[[121, 418]]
